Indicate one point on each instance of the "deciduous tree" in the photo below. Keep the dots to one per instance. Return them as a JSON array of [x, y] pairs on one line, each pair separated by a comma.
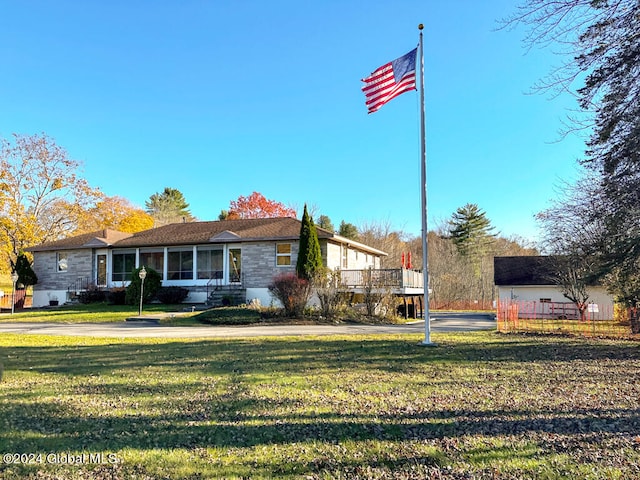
[[602, 49], [42, 196], [257, 206], [116, 213]]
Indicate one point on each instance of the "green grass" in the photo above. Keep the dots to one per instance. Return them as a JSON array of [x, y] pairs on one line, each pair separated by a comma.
[[92, 313], [478, 405], [169, 314], [229, 316]]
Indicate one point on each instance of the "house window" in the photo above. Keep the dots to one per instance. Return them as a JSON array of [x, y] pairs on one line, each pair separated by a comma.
[[123, 264], [62, 261], [180, 265], [283, 254], [345, 256], [153, 260], [545, 300], [210, 263]]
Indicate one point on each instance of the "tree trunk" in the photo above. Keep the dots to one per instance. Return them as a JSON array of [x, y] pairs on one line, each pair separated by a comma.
[[634, 318]]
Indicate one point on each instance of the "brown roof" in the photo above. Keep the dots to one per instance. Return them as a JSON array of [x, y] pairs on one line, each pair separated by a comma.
[[193, 233], [98, 239]]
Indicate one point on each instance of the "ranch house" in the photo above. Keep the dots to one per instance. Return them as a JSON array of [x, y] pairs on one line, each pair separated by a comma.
[[233, 258]]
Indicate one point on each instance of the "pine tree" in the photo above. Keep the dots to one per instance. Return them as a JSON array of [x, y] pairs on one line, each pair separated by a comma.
[[26, 275], [471, 230], [169, 206], [325, 222], [473, 236], [348, 230], [309, 253]]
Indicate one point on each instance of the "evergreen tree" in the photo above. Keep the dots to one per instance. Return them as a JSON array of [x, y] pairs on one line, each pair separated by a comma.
[[348, 230], [471, 230], [26, 275], [325, 223], [309, 253], [473, 236], [169, 206]]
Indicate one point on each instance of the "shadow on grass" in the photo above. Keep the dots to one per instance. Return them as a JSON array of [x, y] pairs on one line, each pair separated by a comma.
[[255, 356], [55, 428], [199, 394]]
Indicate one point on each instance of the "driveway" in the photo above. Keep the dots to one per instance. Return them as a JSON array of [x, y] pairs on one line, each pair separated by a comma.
[[440, 322]]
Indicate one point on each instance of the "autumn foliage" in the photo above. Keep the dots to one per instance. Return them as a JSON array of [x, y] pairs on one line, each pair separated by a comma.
[[43, 198], [257, 206]]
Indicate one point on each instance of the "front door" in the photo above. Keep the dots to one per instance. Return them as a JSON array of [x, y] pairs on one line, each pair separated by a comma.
[[235, 265], [101, 277]]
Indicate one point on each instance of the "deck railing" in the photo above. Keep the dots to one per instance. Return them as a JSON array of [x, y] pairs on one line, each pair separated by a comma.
[[392, 278]]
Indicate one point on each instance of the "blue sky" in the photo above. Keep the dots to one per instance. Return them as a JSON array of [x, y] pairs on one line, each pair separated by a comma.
[[221, 98]]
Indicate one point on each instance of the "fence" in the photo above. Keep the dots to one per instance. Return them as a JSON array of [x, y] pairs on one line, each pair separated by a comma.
[[21, 300], [562, 318]]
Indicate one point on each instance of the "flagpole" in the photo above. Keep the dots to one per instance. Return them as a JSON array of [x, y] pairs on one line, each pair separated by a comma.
[[423, 188]]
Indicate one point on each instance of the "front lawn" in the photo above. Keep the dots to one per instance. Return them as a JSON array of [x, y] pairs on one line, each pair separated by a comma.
[[477, 406], [92, 313]]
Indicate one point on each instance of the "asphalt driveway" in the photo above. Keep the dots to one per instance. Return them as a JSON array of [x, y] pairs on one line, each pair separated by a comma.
[[440, 322]]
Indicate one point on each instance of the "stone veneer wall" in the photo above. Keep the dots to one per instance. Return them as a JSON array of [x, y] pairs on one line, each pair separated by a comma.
[[259, 263], [79, 265]]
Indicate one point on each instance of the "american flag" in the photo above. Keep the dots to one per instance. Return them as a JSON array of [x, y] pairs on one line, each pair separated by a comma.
[[390, 80]]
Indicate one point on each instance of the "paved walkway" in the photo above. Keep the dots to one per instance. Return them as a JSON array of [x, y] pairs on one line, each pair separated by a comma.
[[440, 322]]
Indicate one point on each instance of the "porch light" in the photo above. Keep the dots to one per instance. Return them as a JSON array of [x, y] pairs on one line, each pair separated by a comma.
[[142, 274], [14, 280]]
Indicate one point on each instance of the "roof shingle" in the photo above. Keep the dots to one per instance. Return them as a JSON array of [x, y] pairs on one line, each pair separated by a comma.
[[195, 233]]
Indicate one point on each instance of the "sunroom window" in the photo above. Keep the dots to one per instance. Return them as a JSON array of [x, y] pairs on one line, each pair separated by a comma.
[[122, 265], [180, 265], [210, 263], [153, 260]]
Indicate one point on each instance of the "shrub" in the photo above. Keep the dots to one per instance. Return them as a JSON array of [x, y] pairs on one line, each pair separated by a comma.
[[169, 295], [328, 288], [116, 296], [92, 295], [293, 293], [152, 284]]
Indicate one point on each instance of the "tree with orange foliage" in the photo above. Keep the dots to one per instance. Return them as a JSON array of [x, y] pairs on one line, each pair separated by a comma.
[[256, 206], [116, 213]]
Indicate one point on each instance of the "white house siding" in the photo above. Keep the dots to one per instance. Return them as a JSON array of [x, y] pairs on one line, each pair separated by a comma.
[[359, 260], [533, 293], [333, 255], [356, 259]]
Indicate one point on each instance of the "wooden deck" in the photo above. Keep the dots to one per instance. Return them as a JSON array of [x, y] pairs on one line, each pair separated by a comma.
[[399, 280]]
